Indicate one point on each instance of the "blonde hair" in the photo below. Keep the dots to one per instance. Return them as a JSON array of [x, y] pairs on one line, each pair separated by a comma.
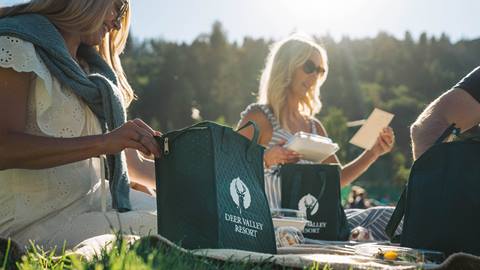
[[82, 17], [284, 58]]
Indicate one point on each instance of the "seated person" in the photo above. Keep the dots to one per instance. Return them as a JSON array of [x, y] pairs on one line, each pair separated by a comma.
[[288, 101], [358, 198], [64, 96], [459, 105]]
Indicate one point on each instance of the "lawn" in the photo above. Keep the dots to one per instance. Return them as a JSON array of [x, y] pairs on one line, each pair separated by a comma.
[[144, 254]]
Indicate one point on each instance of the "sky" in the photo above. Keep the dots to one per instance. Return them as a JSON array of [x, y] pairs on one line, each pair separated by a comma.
[[184, 20]]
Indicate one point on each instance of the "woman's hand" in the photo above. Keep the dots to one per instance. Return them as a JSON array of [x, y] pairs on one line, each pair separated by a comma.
[[280, 155], [133, 134], [385, 142]]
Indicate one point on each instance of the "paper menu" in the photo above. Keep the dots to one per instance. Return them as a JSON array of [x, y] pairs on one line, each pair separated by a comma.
[[367, 135]]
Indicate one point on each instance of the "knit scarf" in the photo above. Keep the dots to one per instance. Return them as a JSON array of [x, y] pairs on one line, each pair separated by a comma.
[[98, 89]]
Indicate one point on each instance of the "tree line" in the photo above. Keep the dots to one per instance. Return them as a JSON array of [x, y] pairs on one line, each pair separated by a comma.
[[211, 78]]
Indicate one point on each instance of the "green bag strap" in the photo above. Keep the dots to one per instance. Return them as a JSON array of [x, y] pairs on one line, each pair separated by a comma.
[[295, 191], [323, 178], [397, 216], [399, 211], [256, 132], [450, 130], [256, 135]]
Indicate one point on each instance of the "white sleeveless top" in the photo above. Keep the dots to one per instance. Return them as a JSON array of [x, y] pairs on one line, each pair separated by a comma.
[[60, 203]]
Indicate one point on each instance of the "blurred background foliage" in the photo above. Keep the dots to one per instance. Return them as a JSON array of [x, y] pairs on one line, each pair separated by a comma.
[[178, 84]]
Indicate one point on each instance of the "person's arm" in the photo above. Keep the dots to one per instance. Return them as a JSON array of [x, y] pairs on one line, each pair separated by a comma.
[[21, 150], [453, 107], [275, 155], [323, 132], [358, 166]]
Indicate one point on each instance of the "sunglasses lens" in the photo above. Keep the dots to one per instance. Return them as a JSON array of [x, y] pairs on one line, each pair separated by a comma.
[[309, 67]]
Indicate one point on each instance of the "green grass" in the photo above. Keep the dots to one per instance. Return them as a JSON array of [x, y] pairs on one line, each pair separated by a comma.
[[144, 254], [147, 253]]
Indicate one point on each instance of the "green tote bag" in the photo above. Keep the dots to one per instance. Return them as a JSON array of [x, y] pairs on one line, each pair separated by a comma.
[[315, 189], [210, 190]]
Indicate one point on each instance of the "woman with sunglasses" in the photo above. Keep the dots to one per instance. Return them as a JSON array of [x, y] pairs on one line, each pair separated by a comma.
[[64, 95], [288, 101]]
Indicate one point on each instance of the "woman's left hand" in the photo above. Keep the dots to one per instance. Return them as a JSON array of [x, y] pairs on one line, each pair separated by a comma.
[[385, 142]]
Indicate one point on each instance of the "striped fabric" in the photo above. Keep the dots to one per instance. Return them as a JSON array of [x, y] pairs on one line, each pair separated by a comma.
[[374, 219], [272, 177]]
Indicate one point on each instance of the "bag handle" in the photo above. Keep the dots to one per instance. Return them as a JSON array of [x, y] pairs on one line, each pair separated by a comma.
[[256, 131], [323, 177], [399, 211], [450, 130], [256, 135], [296, 185], [297, 179], [397, 216]]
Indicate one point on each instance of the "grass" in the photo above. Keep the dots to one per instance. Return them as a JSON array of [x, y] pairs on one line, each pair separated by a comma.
[[144, 254]]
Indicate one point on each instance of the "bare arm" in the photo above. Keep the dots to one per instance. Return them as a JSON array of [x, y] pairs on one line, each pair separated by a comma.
[[21, 150], [275, 155], [358, 166], [454, 106]]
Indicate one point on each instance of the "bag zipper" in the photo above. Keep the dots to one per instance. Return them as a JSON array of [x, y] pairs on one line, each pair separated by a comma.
[[166, 149]]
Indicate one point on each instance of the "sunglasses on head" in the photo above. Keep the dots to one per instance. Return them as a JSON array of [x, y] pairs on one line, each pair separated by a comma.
[[309, 67]]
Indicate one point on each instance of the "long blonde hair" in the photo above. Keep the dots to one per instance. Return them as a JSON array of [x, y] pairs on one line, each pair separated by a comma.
[[284, 58], [83, 17]]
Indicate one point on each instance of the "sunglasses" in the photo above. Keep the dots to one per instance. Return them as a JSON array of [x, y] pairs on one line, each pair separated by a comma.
[[309, 67], [121, 8]]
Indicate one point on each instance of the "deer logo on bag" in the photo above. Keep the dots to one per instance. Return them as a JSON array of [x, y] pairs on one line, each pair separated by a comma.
[[240, 194], [309, 205]]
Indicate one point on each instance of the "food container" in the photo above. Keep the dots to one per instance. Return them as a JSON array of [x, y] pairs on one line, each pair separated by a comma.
[[288, 236], [289, 218]]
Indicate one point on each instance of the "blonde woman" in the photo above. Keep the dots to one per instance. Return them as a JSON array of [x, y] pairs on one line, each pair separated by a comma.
[[288, 101], [63, 96]]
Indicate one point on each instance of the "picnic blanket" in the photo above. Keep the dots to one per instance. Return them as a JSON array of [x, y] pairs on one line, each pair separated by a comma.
[[319, 253], [307, 256]]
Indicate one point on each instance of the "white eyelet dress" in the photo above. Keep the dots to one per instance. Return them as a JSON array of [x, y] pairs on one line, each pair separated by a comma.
[[64, 203], [375, 219]]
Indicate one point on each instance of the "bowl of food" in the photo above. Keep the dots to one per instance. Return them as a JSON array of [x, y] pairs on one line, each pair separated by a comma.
[[283, 217]]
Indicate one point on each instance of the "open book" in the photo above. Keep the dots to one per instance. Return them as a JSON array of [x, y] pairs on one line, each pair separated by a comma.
[[313, 147]]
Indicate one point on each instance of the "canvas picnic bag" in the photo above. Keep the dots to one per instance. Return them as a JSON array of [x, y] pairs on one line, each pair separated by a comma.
[[315, 189], [441, 203], [210, 190]]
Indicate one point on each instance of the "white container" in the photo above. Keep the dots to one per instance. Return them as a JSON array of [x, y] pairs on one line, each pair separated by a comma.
[[289, 218], [311, 146]]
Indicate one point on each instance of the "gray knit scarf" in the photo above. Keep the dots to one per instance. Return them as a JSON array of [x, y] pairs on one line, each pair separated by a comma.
[[99, 89]]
